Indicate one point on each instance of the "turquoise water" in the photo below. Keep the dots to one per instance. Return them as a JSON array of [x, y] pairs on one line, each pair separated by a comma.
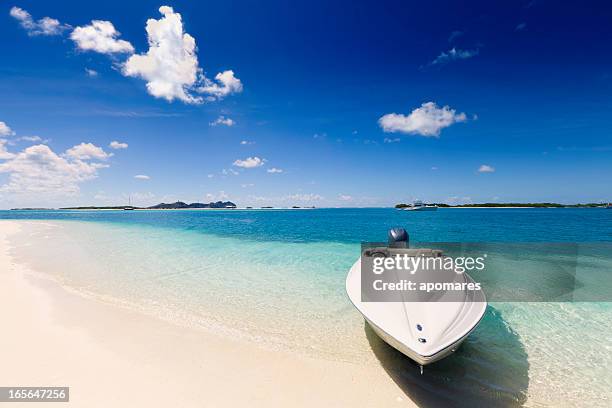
[[277, 278], [357, 225]]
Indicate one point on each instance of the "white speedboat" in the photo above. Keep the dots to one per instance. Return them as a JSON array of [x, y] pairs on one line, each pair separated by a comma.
[[428, 330], [419, 206]]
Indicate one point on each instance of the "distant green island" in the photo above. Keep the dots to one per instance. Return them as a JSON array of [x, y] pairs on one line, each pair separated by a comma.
[[517, 205]]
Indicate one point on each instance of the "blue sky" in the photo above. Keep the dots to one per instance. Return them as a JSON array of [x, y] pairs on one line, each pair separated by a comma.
[[331, 103]]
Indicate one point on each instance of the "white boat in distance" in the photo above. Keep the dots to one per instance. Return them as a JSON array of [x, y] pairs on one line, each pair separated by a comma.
[[419, 206], [424, 331]]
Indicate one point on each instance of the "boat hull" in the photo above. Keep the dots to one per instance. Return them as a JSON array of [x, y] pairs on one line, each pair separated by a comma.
[[408, 352], [444, 326]]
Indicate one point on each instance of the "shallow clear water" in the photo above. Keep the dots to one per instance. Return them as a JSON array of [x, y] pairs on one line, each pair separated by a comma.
[[277, 277]]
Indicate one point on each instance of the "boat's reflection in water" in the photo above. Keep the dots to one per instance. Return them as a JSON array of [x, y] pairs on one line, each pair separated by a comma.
[[489, 370]]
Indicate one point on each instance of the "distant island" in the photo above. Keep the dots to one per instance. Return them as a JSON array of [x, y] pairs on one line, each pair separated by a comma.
[[515, 205], [179, 205], [31, 209]]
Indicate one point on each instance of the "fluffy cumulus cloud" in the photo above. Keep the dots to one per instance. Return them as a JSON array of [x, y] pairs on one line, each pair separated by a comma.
[[38, 169], [427, 120], [44, 26], [274, 170], [345, 197], [485, 168], [4, 154], [454, 54], [170, 66], [225, 83], [223, 121], [100, 36], [5, 130], [118, 145], [142, 177], [250, 162], [86, 151]]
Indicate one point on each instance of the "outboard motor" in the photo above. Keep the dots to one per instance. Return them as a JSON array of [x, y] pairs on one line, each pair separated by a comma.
[[398, 238]]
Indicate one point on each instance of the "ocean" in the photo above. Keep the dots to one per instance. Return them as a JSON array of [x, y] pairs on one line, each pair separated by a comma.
[[276, 277]]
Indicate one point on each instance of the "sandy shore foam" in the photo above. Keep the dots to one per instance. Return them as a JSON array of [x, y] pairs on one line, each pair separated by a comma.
[[110, 356]]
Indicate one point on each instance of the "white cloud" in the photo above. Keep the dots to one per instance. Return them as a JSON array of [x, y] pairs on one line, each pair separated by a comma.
[[44, 26], [118, 145], [345, 197], [454, 54], [100, 36], [91, 72], [229, 172], [389, 140], [454, 200], [142, 177], [485, 168], [37, 169], [222, 120], [5, 154], [226, 84], [210, 176], [428, 120], [274, 170], [246, 142], [454, 35], [86, 151], [5, 130], [32, 139], [170, 66], [250, 162], [247, 185], [304, 197], [220, 196]]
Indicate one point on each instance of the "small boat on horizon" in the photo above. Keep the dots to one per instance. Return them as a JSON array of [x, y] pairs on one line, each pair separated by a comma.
[[129, 206], [419, 206], [425, 331]]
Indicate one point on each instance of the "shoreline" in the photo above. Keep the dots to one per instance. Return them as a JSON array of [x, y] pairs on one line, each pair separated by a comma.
[[111, 356]]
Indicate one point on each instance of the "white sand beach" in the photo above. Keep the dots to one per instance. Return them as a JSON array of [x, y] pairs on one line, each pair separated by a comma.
[[113, 357]]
